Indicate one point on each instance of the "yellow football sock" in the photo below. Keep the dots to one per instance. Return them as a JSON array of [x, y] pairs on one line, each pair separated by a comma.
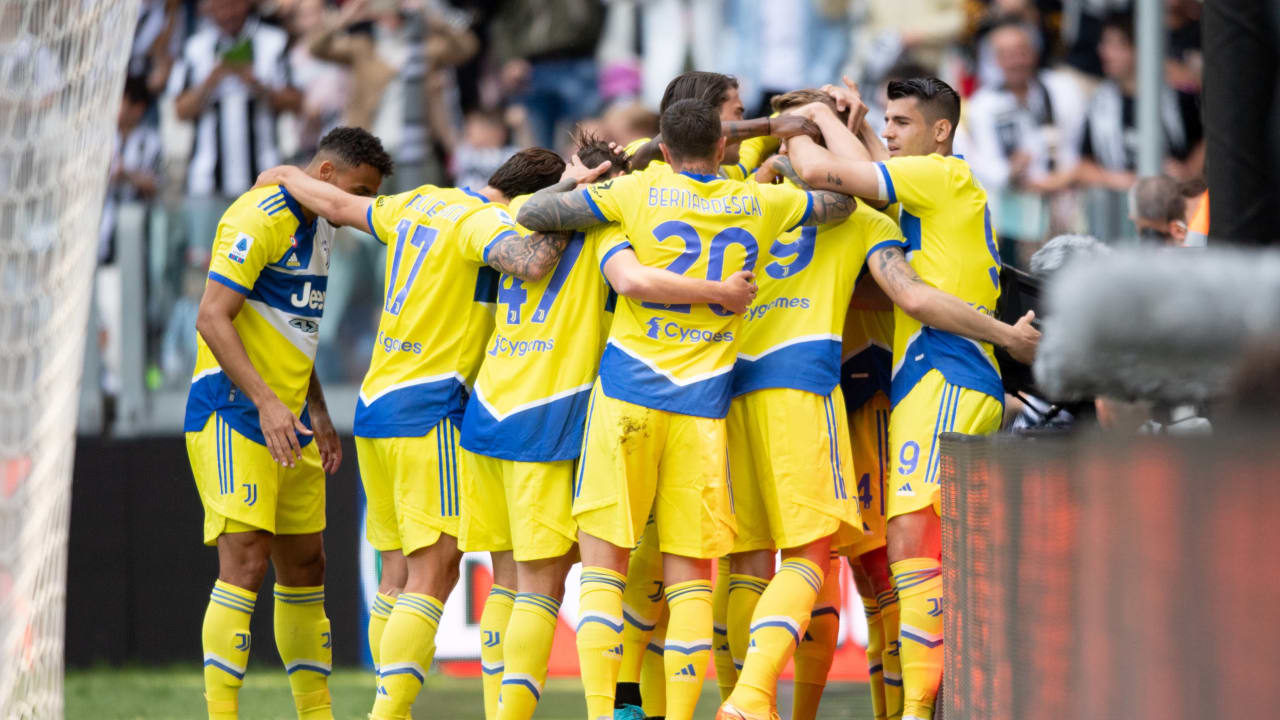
[[818, 647], [493, 625], [306, 647], [919, 585], [642, 604], [687, 646], [744, 593], [408, 645], [600, 637], [379, 611], [653, 672], [726, 673], [875, 655], [225, 635], [529, 634], [888, 602], [780, 621]]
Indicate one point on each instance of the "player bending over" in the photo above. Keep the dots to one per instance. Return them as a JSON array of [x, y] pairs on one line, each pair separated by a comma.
[[655, 435], [254, 408], [436, 317]]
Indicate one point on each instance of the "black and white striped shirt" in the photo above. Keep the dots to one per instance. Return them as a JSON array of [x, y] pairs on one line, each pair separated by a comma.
[[235, 135]]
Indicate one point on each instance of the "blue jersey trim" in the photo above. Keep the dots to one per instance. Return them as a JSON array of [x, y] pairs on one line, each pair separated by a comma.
[[411, 411], [546, 433], [888, 183], [594, 207], [702, 177], [474, 194], [959, 360], [887, 243], [865, 374], [224, 280], [623, 377], [500, 237], [812, 366], [744, 170], [368, 218], [612, 250], [216, 394], [808, 210], [294, 207]]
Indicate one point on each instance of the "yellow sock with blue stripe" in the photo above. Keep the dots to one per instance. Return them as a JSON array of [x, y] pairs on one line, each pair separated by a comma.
[[780, 621], [722, 654], [688, 646], [305, 643], [642, 606], [818, 646], [493, 628], [888, 602], [919, 585], [653, 673], [225, 636], [875, 655], [408, 645], [379, 613], [600, 637], [744, 594], [528, 642]]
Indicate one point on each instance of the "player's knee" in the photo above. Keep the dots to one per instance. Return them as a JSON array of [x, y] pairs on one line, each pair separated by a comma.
[[817, 552], [756, 563], [875, 566], [916, 534], [303, 571]]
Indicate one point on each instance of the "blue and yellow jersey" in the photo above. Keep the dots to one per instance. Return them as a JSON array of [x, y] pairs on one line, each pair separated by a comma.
[[951, 245], [791, 336], [680, 358], [751, 152], [530, 399], [437, 307], [267, 251], [866, 365]]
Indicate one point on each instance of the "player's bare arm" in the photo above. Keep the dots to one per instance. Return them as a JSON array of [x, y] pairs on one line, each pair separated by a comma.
[[218, 308], [944, 311], [324, 199], [822, 168], [561, 206], [326, 436], [628, 276], [529, 257], [781, 127], [830, 207], [781, 166]]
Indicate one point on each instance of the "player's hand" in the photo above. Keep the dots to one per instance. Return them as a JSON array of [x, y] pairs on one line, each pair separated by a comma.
[[277, 175], [793, 124], [768, 173], [280, 428], [577, 171], [326, 440], [1025, 339], [739, 291]]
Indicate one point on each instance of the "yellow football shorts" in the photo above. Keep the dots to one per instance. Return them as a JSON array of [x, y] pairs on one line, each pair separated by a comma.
[[411, 487], [526, 507], [869, 435], [933, 406], [636, 459], [243, 488], [791, 469]]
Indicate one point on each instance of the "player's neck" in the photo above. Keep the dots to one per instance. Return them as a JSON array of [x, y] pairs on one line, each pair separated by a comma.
[[495, 195], [696, 167]]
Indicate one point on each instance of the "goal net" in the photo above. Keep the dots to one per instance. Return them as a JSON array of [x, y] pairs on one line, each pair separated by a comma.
[[62, 67]]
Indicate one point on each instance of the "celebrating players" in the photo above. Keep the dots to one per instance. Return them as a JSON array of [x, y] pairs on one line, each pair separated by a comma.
[[253, 411]]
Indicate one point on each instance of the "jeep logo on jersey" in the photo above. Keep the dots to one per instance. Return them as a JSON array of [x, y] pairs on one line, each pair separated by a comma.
[[305, 325], [306, 297]]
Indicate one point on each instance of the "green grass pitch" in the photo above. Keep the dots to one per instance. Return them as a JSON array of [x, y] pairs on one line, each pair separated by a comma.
[[176, 694]]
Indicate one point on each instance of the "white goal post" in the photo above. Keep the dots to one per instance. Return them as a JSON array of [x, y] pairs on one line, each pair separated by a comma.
[[62, 71]]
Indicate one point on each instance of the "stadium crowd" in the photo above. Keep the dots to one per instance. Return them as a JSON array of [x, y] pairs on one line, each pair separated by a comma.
[[218, 91]]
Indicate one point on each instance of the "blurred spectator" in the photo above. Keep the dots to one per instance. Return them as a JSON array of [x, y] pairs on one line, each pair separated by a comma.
[[675, 29], [922, 31], [999, 14], [1023, 134], [231, 82], [486, 141], [1082, 22], [827, 37], [780, 53], [155, 42], [626, 122], [1159, 211], [325, 85], [1185, 60], [546, 51], [1109, 150]]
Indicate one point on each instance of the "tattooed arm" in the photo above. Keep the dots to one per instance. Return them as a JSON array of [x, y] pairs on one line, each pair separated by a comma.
[[830, 207], [944, 311], [822, 168], [558, 207], [528, 257], [781, 127]]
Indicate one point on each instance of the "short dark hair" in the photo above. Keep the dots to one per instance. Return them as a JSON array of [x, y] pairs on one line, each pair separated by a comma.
[[592, 151], [937, 99], [135, 90], [527, 171], [1121, 21], [355, 147], [1158, 198], [710, 87], [690, 129], [800, 98]]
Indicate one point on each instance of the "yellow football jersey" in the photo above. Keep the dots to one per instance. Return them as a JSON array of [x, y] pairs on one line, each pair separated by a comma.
[[530, 399], [267, 251], [866, 366], [791, 336], [437, 307], [680, 358], [952, 246]]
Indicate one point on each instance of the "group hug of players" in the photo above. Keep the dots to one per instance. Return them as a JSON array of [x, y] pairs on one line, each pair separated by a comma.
[[659, 386]]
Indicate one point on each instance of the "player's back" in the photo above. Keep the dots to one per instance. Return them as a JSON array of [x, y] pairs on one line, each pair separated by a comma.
[[679, 358], [531, 393], [267, 250], [437, 308], [791, 336], [952, 246]]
